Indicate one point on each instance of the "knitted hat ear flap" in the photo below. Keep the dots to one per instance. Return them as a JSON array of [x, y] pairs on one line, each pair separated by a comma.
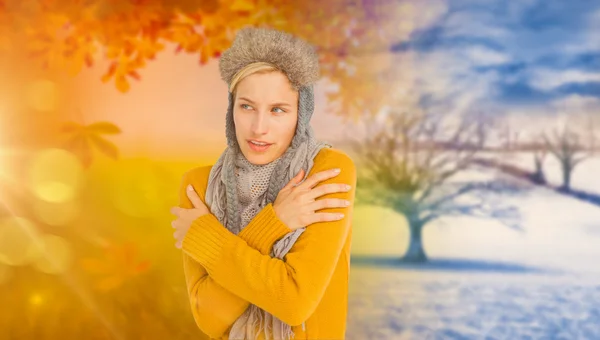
[[230, 125], [306, 107]]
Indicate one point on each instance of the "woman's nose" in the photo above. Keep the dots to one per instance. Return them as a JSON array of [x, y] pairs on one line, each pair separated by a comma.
[[260, 126]]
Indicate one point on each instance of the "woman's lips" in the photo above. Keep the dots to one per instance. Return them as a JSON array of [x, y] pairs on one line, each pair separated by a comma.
[[258, 148]]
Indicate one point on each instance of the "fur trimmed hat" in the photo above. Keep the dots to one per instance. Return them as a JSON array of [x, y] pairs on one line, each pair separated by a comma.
[[291, 55]]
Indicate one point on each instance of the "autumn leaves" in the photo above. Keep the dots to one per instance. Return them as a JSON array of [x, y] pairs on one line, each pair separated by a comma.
[[82, 139]]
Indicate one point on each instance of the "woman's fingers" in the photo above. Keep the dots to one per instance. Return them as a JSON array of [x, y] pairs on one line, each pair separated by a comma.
[[319, 177], [328, 203], [176, 211], [327, 189], [324, 217], [294, 180], [193, 196]]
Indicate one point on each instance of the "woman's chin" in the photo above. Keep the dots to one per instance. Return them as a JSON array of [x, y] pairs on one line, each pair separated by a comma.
[[258, 158]]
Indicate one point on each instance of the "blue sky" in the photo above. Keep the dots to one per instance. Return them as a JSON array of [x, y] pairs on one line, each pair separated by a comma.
[[510, 56]]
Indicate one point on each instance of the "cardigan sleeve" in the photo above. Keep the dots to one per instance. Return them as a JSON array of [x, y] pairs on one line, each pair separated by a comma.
[[289, 288], [214, 308]]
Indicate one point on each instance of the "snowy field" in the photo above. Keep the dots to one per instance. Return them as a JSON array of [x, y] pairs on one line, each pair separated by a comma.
[[490, 281], [403, 304]]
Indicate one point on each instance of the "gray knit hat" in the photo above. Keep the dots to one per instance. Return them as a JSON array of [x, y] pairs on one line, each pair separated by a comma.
[[291, 55], [294, 57]]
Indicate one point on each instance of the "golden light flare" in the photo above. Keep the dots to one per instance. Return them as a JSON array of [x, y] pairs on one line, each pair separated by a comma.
[[56, 214], [42, 95], [55, 175], [17, 236], [3, 165], [36, 299], [53, 254]]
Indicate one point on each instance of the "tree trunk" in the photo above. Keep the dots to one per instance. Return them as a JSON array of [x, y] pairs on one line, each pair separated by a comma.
[[538, 175], [567, 169], [415, 252]]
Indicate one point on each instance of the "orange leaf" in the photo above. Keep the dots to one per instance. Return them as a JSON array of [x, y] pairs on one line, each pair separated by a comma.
[[113, 52], [242, 6], [103, 128], [71, 127], [89, 61], [73, 143], [86, 153], [80, 146], [129, 48], [106, 147], [111, 71], [134, 75], [122, 84]]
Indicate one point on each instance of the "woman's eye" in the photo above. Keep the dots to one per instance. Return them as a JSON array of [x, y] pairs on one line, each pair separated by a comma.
[[246, 107], [278, 110]]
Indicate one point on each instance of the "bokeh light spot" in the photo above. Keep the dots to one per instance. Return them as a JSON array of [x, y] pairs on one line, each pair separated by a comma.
[[56, 214], [36, 299], [55, 175]]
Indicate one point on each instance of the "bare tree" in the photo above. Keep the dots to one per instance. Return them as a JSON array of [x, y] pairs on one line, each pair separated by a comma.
[[509, 137], [540, 151], [409, 163], [566, 146]]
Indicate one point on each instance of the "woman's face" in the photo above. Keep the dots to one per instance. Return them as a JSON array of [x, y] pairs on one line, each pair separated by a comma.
[[265, 116]]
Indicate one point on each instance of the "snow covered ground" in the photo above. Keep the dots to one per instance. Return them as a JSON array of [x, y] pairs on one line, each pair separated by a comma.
[[403, 304], [490, 281]]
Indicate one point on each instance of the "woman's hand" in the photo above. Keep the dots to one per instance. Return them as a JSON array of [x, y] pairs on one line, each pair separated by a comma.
[[296, 205], [185, 217]]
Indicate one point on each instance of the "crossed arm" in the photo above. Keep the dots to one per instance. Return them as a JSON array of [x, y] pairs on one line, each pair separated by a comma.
[[226, 272]]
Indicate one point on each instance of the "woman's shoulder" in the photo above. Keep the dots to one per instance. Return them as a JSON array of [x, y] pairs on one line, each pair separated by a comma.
[[331, 158], [334, 157], [198, 177]]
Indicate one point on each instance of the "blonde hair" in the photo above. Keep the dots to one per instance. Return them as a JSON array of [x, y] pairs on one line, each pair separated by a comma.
[[250, 69]]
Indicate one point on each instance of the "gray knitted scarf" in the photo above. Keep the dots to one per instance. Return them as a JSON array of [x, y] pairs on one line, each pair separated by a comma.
[[237, 191]]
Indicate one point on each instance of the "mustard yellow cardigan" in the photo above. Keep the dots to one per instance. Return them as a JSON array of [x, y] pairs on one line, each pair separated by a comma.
[[226, 272]]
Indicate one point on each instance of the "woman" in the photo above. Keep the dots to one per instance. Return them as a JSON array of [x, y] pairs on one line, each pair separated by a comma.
[[265, 232]]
